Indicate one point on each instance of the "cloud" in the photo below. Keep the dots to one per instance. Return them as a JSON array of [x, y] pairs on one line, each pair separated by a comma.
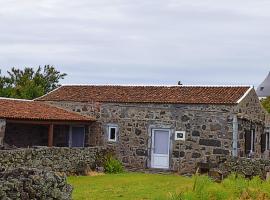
[[127, 41]]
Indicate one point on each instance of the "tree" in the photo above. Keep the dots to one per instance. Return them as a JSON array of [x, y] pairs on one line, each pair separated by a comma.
[[29, 83], [266, 103]]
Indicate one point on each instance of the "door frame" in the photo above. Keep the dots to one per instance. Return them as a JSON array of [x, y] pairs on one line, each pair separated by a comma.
[[152, 146], [70, 134]]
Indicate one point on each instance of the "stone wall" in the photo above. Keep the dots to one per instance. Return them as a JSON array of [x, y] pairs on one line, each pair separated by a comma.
[[24, 184], [245, 166], [2, 130], [251, 115], [67, 160]]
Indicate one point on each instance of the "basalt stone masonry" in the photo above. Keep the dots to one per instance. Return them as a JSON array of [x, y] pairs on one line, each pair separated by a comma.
[[208, 129], [66, 160], [26, 183]]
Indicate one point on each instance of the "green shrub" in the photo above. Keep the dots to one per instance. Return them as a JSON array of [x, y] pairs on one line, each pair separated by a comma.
[[113, 165]]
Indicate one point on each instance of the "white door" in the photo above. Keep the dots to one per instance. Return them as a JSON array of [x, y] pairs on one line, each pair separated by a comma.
[[160, 148]]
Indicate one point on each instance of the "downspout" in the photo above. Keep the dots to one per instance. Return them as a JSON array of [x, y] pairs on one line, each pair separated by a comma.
[[235, 136]]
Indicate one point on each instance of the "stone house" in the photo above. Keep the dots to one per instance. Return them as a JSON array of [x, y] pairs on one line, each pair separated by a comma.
[[164, 127]]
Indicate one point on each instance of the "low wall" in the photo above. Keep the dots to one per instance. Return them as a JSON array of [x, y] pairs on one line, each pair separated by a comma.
[[246, 167], [24, 184], [58, 159]]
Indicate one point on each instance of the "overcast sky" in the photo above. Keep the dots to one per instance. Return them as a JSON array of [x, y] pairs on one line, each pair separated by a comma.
[[139, 41]]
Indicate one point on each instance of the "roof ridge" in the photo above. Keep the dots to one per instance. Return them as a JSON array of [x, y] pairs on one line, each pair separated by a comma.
[[147, 85]]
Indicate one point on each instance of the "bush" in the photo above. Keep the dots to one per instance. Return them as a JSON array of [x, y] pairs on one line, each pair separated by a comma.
[[113, 165]]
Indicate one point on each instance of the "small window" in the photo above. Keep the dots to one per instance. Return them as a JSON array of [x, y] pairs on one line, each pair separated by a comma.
[[180, 135], [112, 133], [261, 88]]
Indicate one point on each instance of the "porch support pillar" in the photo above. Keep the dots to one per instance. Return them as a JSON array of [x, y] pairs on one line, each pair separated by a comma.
[[235, 136], [2, 131], [50, 136]]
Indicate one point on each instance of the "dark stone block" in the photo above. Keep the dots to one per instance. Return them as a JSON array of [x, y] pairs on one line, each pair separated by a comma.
[[196, 133], [215, 127], [141, 152], [84, 108], [196, 155], [162, 112], [185, 118], [203, 127], [177, 154], [221, 151], [138, 131], [210, 142]]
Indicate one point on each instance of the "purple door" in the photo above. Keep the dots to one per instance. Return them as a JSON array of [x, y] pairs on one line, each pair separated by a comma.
[[77, 139]]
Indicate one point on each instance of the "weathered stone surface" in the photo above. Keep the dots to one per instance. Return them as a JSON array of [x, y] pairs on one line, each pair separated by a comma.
[[196, 155], [196, 133], [245, 166], [215, 127], [141, 152], [138, 131], [178, 154], [27, 183], [221, 151], [67, 160], [185, 118], [210, 142]]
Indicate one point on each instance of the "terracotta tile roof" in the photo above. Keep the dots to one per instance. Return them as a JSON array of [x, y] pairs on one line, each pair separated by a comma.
[[33, 110], [149, 94]]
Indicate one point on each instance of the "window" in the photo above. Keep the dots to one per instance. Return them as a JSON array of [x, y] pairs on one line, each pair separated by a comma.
[[112, 133], [265, 141], [250, 141], [261, 88], [180, 135], [76, 136]]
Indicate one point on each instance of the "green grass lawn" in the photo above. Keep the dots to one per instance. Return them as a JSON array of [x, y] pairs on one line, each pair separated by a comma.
[[138, 186], [129, 186]]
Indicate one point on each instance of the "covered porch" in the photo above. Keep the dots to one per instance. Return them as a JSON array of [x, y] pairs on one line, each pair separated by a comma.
[[29, 123]]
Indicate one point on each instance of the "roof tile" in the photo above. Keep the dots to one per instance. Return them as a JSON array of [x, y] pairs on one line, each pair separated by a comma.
[[33, 110], [148, 94]]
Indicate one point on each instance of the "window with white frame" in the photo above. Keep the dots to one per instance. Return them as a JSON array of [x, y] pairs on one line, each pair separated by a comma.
[[112, 133]]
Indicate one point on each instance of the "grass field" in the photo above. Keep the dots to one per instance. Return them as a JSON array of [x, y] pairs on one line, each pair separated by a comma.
[[128, 186], [139, 186]]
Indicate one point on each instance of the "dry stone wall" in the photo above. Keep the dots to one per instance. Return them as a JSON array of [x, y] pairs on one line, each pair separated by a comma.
[[66, 160], [36, 184]]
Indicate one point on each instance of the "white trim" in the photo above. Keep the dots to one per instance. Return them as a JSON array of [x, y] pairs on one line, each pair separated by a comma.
[[110, 126], [15, 99], [246, 93], [47, 93]]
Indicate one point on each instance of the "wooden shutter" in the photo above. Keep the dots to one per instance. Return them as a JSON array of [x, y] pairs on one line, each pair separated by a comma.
[[247, 141], [263, 142]]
